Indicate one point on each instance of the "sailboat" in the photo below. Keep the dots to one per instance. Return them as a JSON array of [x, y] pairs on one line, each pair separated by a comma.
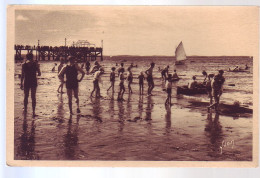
[[180, 55]]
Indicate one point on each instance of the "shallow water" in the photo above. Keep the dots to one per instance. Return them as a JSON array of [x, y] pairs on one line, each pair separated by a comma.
[[140, 128]]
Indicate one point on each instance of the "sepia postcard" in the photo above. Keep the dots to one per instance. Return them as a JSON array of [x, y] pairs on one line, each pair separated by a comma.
[[135, 86]]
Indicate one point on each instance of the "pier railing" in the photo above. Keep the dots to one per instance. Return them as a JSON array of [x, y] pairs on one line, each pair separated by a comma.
[[58, 52]]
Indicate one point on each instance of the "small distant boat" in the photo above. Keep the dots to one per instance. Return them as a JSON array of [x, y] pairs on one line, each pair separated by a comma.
[[239, 70], [180, 55]]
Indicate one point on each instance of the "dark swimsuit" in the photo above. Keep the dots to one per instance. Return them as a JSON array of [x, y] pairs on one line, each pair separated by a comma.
[[71, 75], [87, 66], [112, 77], [141, 79], [30, 79]]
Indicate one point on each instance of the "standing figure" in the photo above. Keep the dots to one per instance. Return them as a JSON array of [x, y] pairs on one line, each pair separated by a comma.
[[121, 68], [96, 81], [87, 66], [112, 79], [29, 70], [61, 78], [204, 73], [169, 90], [217, 88], [130, 79], [121, 85], [149, 73], [165, 72], [209, 88], [72, 82], [141, 83]]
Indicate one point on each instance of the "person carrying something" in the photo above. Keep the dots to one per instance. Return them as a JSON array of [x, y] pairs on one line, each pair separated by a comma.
[[149, 73], [121, 85], [96, 81], [72, 82], [29, 81], [192, 84], [169, 90], [217, 89], [141, 83], [165, 72], [60, 88], [130, 79], [112, 79]]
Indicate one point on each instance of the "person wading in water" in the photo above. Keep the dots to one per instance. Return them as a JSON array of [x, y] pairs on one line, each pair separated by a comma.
[[72, 82], [149, 73], [29, 81], [217, 89]]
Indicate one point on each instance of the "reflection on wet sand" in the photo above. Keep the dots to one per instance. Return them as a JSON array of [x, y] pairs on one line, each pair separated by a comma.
[[97, 110], [60, 108], [26, 149], [168, 119], [140, 106], [112, 106], [148, 111], [121, 116], [129, 107], [71, 139], [138, 128], [149, 108], [214, 130]]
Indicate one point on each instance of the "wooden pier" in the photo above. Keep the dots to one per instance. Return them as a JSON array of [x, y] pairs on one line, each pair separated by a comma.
[[55, 53]]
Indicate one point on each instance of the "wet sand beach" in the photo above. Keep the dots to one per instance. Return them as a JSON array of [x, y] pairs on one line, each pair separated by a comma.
[[139, 128]]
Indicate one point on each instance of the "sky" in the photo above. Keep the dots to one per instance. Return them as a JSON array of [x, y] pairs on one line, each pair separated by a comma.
[[143, 30]]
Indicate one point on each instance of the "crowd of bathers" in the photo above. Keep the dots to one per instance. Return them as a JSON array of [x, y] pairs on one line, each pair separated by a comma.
[[70, 71]]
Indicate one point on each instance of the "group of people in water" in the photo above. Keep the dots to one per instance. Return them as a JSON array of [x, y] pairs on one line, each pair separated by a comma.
[[30, 69], [237, 69]]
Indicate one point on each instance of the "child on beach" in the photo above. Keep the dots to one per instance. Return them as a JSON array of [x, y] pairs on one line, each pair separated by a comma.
[[72, 82], [141, 83], [96, 81], [112, 79], [130, 79], [169, 90], [61, 78], [121, 85]]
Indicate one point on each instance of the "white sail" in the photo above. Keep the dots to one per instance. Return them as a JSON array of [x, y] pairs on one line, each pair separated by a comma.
[[180, 53]]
